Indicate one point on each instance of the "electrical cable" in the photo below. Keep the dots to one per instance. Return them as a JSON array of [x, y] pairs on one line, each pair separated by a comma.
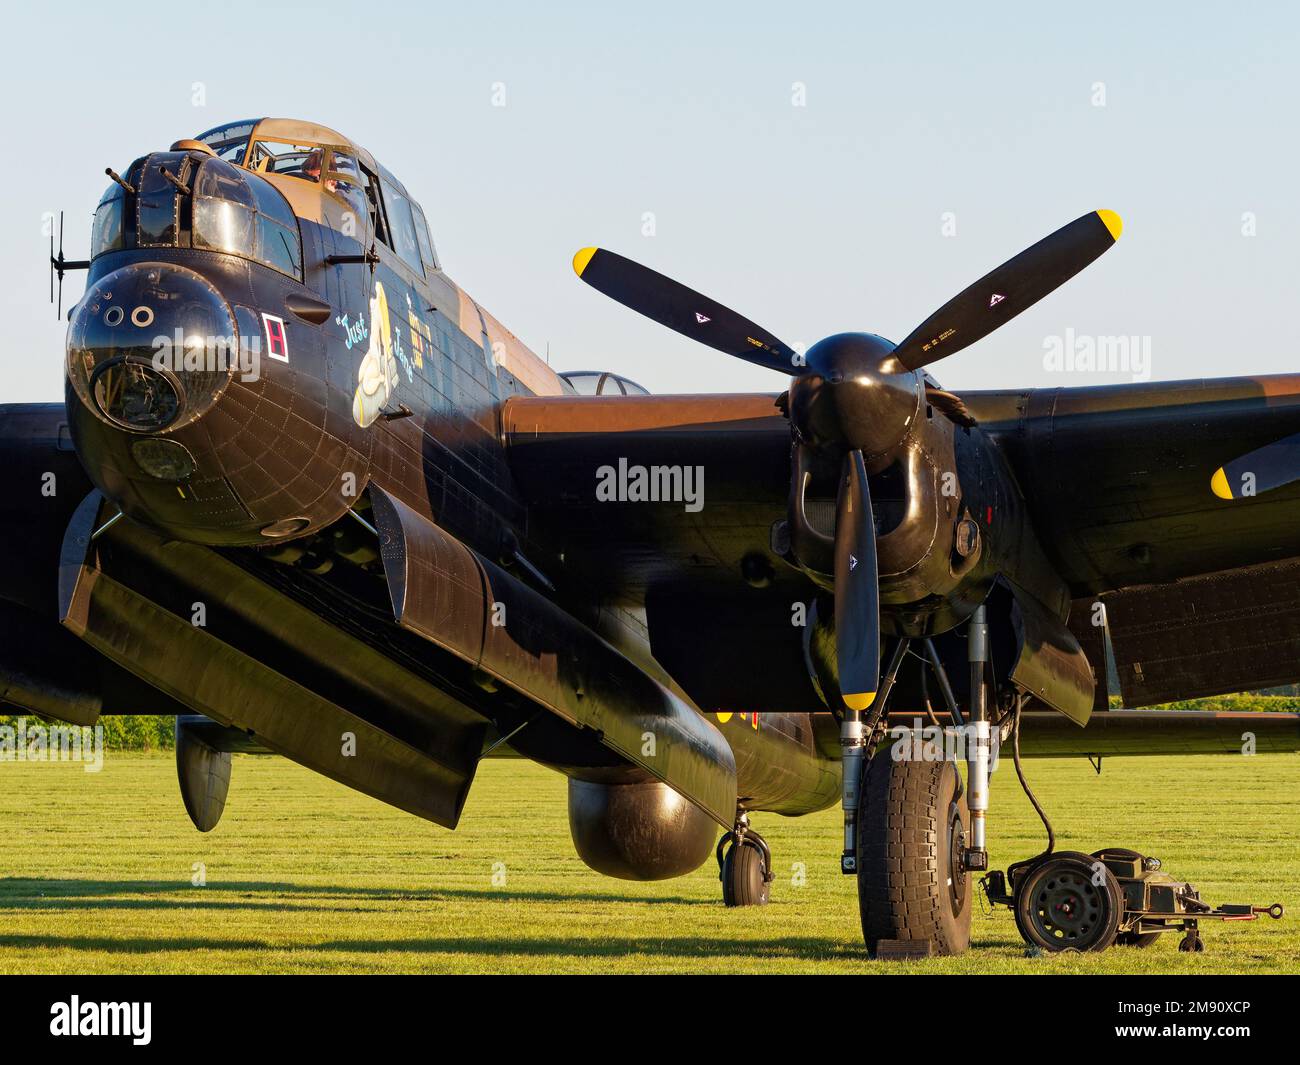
[[1029, 793]]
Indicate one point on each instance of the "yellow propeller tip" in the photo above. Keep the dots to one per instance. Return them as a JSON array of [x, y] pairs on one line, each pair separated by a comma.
[[1112, 222], [581, 260], [859, 700], [1219, 484]]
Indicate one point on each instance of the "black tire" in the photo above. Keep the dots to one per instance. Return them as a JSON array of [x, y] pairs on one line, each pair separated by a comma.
[[743, 877], [1058, 905], [1140, 940], [1191, 945], [912, 825]]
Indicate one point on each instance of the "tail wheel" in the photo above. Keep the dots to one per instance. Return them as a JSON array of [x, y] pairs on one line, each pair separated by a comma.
[[745, 880], [912, 825], [1069, 901]]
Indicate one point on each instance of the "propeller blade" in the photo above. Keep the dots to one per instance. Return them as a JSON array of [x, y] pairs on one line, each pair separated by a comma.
[[1015, 286], [1261, 470], [857, 591], [683, 310]]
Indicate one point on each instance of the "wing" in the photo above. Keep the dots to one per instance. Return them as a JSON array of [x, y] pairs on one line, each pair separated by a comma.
[[1199, 591], [698, 561], [647, 490]]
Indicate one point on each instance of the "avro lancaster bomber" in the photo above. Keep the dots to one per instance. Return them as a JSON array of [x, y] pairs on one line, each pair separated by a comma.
[[309, 496]]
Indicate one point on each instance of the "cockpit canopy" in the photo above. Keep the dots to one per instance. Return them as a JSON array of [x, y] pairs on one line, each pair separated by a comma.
[[229, 142], [342, 187], [246, 187]]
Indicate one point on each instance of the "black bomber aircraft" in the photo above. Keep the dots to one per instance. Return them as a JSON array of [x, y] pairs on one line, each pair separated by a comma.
[[309, 496]]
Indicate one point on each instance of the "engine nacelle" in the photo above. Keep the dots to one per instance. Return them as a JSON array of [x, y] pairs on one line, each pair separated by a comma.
[[643, 831]]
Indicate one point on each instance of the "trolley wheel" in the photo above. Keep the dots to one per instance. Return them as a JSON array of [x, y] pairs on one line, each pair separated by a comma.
[[744, 879], [1192, 943], [1060, 904], [911, 834]]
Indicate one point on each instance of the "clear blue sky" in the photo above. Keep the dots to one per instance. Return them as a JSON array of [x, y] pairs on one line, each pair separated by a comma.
[[811, 220]]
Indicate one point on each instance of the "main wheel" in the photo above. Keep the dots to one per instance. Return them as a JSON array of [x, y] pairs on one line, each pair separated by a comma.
[[1069, 901], [912, 823], [744, 880]]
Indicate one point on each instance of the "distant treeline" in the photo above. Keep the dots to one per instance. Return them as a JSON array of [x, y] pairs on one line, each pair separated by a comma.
[[1243, 701], [134, 732], [125, 732]]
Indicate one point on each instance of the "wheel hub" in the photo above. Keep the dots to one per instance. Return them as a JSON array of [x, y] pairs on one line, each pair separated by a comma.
[[956, 868], [1068, 908]]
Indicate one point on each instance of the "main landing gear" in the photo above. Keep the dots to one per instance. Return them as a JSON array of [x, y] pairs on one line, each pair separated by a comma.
[[744, 865], [915, 839], [913, 833]]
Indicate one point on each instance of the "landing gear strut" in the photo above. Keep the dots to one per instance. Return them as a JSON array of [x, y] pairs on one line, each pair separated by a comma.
[[744, 865], [979, 738]]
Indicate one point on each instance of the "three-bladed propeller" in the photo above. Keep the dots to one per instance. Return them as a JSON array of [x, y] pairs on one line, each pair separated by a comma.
[[852, 391]]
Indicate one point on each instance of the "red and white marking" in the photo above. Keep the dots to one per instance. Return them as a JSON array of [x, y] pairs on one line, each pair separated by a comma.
[[277, 341]]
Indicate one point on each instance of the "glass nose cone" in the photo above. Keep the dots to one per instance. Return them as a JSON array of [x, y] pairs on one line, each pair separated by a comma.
[[150, 347]]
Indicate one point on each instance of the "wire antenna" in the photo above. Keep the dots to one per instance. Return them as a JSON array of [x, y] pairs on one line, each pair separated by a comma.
[[60, 266]]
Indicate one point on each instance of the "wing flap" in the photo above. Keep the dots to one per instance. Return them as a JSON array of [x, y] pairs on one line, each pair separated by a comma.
[[1235, 630]]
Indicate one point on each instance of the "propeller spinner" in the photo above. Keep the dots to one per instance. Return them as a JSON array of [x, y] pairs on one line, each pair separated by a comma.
[[855, 393]]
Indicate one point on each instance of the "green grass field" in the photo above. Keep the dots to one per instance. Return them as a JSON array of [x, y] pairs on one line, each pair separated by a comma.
[[305, 876]]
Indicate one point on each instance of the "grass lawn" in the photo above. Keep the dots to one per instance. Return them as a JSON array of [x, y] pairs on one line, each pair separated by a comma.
[[303, 875]]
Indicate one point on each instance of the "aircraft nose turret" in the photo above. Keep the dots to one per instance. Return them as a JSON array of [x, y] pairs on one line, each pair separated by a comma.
[[179, 420], [151, 347]]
